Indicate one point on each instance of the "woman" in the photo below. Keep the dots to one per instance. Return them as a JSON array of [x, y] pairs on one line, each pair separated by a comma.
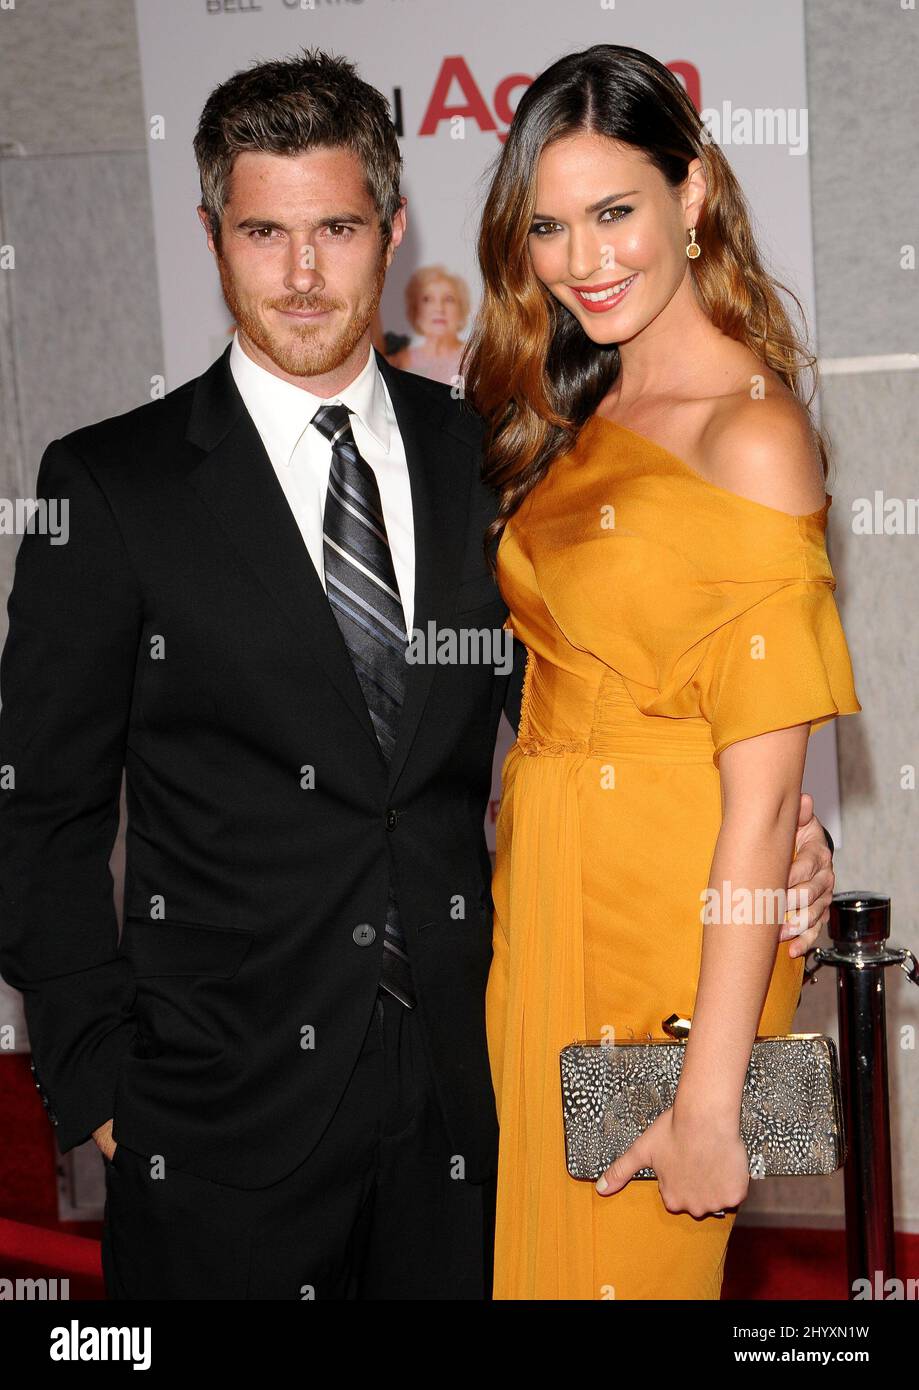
[[661, 549], [437, 307]]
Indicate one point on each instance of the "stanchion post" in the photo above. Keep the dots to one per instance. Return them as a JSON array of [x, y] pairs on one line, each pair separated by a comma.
[[859, 930]]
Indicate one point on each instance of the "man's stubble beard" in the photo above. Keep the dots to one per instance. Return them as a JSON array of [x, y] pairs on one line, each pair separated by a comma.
[[308, 354]]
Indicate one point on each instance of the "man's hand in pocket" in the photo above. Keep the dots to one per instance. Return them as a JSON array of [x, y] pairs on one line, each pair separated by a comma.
[[104, 1140]]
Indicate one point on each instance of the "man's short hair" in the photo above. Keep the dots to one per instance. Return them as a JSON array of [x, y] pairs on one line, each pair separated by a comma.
[[292, 105]]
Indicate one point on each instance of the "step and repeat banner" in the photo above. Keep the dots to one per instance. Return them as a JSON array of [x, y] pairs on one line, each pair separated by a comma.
[[453, 74]]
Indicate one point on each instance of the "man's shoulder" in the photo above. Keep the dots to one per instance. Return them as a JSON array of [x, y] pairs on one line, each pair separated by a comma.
[[144, 430], [441, 401]]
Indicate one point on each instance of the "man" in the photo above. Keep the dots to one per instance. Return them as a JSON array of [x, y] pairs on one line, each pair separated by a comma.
[[284, 1060]]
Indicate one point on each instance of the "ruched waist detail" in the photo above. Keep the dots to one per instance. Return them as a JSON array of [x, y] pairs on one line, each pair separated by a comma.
[[563, 712]]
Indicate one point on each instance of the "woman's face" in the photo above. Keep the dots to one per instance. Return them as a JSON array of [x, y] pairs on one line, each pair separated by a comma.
[[438, 309], [607, 225]]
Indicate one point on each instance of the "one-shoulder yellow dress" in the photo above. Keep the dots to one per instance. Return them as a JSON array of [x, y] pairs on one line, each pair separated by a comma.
[[665, 618]]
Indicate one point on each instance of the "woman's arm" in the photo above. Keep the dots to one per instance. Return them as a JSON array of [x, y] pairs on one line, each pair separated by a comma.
[[761, 786]]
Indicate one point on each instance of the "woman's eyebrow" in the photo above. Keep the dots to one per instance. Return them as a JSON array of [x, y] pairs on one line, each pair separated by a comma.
[[595, 207]]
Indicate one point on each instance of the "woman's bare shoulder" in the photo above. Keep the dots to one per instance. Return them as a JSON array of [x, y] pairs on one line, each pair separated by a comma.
[[764, 448]]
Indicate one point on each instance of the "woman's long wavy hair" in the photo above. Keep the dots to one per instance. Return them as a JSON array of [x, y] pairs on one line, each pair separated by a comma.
[[530, 370]]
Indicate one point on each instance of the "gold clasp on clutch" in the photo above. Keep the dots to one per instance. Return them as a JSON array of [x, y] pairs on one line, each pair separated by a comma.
[[676, 1027]]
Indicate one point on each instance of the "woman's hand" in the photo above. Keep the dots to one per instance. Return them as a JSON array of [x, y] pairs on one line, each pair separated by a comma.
[[700, 1161]]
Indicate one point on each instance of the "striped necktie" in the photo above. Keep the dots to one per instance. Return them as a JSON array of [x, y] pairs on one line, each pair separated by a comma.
[[364, 594]]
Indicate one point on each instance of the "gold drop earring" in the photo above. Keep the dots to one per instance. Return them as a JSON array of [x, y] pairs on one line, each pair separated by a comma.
[[693, 249]]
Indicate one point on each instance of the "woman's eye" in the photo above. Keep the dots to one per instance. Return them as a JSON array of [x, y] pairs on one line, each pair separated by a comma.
[[544, 229]]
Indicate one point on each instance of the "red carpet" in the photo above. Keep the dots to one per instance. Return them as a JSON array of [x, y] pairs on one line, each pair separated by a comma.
[[769, 1262]]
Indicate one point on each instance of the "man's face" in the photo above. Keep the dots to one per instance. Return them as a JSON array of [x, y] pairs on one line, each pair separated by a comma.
[[300, 261]]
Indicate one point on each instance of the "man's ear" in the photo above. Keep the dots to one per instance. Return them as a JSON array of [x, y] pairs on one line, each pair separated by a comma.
[[206, 224], [399, 224]]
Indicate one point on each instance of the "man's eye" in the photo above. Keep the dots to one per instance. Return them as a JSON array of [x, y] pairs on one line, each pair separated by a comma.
[[342, 225], [256, 233]]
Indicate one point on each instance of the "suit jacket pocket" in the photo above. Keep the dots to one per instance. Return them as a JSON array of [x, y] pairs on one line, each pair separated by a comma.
[[183, 948]]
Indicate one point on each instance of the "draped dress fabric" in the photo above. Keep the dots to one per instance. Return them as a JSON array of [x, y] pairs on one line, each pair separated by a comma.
[[664, 618]]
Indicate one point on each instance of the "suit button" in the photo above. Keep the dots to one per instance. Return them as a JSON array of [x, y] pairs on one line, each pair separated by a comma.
[[364, 934], [391, 818]]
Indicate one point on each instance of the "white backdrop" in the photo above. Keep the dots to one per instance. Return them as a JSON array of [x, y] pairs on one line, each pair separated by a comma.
[[434, 59]]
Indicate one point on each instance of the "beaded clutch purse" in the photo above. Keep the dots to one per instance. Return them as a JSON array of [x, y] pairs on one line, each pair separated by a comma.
[[791, 1118]]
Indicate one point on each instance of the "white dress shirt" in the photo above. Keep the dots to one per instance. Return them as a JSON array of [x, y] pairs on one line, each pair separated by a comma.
[[302, 457]]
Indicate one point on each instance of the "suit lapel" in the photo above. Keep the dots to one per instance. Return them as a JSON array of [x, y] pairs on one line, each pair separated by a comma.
[[440, 473], [236, 481]]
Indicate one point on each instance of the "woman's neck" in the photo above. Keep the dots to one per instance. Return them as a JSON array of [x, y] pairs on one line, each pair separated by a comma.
[[671, 354]]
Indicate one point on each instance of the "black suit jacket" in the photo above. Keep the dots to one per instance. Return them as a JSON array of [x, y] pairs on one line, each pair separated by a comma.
[[183, 634]]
